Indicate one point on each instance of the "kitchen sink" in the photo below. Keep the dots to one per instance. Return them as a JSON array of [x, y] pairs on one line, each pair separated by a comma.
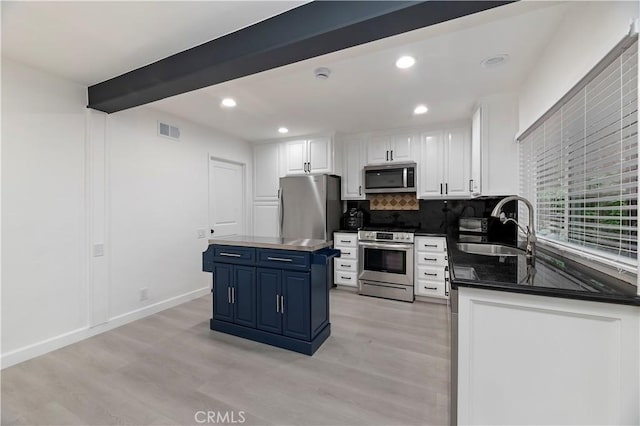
[[489, 249]]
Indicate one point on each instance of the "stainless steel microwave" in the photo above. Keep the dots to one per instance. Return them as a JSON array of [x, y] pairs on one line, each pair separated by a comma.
[[400, 177]]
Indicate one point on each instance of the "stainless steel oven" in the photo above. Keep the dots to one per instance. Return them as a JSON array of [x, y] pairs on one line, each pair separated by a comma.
[[386, 264]]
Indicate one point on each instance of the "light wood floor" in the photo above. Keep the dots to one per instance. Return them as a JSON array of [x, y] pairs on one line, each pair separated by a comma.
[[386, 363]]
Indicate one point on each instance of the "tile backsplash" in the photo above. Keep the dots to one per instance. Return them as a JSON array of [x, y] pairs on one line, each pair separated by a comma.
[[398, 201], [442, 216]]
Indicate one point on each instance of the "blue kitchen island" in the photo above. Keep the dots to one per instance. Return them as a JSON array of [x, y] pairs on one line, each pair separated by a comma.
[[271, 290]]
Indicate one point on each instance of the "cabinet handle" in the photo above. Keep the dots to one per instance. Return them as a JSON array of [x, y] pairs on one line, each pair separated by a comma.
[[346, 253], [229, 295], [440, 189], [431, 259], [387, 155], [345, 278], [431, 245], [309, 167], [391, 155], [430, 288], [430, 275], [345, 241], [342, 265], [280, 259], [277, 303], [360, 190], [233, 295], [470, 185], [446, 286], [282, 304], [446, 188], [231, 254]]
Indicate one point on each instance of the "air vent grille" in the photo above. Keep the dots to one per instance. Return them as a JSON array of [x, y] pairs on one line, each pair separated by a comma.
[[169, 131]]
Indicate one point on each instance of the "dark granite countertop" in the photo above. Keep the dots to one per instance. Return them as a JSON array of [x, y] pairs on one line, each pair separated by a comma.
[[347, 231], [551, 275]]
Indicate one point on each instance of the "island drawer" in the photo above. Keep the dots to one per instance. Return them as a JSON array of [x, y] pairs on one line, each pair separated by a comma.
[[284, 259], [234, 254]]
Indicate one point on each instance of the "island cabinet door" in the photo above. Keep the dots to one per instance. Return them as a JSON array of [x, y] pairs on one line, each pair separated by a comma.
[[222, 286], [296, 305], [268, 297], [243, 296]]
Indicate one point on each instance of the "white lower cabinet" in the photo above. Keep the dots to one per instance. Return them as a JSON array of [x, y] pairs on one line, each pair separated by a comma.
[[431, 275], [346, 266], [529, 359]]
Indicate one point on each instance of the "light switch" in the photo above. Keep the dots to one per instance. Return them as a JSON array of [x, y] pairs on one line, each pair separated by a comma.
[[98, 250]]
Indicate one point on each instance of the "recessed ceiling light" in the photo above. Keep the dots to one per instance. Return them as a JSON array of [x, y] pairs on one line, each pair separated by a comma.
[[420, 109], [405, 62], [283, 130], [494, 61], [228, 102]]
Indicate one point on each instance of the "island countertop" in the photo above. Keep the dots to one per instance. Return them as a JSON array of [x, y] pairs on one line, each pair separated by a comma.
[[296, 244]]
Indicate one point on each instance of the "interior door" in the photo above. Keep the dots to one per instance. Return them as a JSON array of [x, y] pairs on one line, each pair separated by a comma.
[[226, 197]]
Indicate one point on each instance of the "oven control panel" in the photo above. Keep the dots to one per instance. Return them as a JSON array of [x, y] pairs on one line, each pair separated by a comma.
[[399, 237]]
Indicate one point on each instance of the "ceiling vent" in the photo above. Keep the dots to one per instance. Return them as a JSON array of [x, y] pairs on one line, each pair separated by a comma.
[[168, 131], [322, 73]]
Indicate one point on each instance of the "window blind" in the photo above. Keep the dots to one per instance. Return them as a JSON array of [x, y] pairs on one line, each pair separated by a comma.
[[579, 162]]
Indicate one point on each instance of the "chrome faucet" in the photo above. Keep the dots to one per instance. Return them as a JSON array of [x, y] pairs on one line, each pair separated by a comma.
[[529, 231]]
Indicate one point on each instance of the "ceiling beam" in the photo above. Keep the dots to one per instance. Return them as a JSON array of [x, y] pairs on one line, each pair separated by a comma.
[[310, 30]]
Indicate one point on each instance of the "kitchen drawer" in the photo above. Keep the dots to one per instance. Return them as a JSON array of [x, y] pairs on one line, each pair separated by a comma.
[[345, 240], [234, 254], [347, 252], [431, 244], [345, 265], [284, 259], [430, 288], [431, 259], [346, 278], [432, 273]]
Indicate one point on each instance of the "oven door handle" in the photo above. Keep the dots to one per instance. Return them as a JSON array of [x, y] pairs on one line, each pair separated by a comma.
[[387, 246]]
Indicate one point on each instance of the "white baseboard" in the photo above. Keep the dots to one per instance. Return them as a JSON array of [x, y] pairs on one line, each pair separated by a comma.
[[40, 348]]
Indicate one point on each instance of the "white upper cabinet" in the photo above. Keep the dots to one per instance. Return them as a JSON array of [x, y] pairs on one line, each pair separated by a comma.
[[390, 149], [431, 166], [266, 172], [458, 162], [498, 127], [353, 163], [445, 164], [308, 156], [400, 148], [378, 150], [476, 153], [320, 155]]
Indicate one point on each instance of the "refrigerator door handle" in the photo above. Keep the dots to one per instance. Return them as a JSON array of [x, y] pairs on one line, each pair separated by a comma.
[[280, 211]]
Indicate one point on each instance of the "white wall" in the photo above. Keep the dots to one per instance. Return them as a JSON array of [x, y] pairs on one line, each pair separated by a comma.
[[73, 178], [43, 293], [587, 33]]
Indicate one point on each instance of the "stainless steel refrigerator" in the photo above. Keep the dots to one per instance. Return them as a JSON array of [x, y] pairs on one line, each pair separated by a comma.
[[309, 206]]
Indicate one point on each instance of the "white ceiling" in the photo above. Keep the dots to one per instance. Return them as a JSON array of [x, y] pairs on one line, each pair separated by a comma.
[[366, 92], [89, 42], [92, 41]]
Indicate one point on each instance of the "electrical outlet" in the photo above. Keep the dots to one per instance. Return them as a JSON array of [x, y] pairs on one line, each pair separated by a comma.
[[201, 233], [144, 294]]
